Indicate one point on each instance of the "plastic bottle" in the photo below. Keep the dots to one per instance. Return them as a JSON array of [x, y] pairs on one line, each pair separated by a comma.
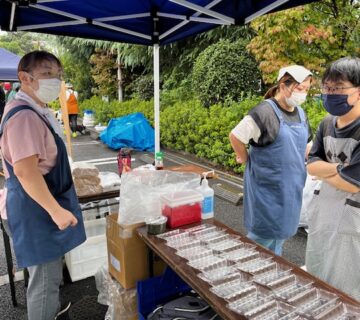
[[124, 160], [159, 161], [207, 209]]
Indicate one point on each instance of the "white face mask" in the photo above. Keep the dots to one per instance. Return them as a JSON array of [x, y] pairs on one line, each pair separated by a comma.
[[49, 90], [296, 99]]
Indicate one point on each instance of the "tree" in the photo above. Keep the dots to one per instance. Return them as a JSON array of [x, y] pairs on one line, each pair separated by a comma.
[[76, 63], [225, 70], [312, 35], [21, 43], [104, 73]]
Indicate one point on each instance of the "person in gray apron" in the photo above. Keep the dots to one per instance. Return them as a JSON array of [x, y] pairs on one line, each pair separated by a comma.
[[333, 247], [43, 212], [278, 132]]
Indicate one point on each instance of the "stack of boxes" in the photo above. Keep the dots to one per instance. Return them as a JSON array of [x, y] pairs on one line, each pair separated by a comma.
[[128, 254]]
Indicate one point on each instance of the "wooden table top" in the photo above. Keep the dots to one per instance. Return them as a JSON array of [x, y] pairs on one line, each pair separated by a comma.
[[192, 168], [189, 274], [100, 196]]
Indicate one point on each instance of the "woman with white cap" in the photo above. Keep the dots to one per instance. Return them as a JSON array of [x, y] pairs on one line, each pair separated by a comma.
[[278, 133]]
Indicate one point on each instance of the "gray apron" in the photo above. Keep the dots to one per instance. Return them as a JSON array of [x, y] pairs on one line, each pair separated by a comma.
[[333, 246]]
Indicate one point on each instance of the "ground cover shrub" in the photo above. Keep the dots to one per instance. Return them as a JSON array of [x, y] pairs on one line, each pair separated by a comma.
[[187, 125]]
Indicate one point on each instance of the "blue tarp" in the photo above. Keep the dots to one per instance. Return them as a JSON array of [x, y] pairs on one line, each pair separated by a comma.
[[8, 65], [132, 131], [133, 21]]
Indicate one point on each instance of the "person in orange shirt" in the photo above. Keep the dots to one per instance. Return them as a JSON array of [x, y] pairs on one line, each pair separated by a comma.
[[72, 107]]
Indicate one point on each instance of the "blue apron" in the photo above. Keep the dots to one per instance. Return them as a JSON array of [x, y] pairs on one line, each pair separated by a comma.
[[36, 238], [274, 180]]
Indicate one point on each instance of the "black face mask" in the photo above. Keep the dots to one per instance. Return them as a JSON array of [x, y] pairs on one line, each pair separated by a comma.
[[336, 104]]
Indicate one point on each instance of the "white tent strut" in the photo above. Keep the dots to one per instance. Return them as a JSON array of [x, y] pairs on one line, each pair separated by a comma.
[[157, 96], [204, 10], [183, 23], [265, 10], [13, 8]]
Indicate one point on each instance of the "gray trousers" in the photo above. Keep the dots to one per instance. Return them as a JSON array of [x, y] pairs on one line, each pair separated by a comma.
[[43, 300]]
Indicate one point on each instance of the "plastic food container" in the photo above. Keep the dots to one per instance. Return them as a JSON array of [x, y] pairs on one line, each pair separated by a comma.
[[241, 253], [156, 225], [289, 286], [231, 288], [258, 265], [340, 311], [313, 302], [266, 278], [220, 275], [169, 234], [182, 207], [207, 263], [194, 253], [274, 310], [250, 303]]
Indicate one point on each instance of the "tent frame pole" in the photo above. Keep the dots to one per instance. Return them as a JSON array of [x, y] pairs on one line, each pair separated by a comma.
[[157, 96]]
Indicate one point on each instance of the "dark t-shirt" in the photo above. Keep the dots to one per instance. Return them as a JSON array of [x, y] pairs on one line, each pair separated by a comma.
[[2, 101], [269, 124], [345, 138]]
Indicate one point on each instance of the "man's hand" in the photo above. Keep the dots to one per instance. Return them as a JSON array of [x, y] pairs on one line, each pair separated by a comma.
[[64, 218]]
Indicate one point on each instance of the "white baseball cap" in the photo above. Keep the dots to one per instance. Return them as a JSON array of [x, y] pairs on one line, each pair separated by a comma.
[[299, 73]]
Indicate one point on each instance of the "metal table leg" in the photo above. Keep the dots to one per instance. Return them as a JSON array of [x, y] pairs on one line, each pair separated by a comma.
[[151, 262], [26, 277], [9, 263]]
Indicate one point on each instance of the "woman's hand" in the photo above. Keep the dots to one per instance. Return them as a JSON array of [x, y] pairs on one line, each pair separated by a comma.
[[239, 148], [31, 179], [64, 218], [241, 159]]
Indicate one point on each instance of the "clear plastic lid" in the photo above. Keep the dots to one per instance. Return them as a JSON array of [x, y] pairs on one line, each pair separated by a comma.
[[179, 198]]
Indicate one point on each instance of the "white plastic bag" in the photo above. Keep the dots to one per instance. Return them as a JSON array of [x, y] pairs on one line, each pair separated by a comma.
[[141, 190], [121, 302], [110, 181], [308, 194]]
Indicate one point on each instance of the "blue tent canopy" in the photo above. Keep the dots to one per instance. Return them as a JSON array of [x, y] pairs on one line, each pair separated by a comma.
[[8, 65], [132, 21], [147, 22]]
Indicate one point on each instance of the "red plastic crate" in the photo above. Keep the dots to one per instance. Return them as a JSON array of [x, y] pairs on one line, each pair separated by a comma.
[[182, 207], [182, 215]]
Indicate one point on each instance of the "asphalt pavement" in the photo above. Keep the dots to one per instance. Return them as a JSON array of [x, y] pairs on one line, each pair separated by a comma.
[[87, 149]]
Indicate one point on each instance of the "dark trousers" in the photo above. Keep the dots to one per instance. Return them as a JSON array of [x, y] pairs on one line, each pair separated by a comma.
[[73, 122]]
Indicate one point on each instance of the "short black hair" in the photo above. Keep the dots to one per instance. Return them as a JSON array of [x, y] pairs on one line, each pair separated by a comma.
[[31, 60], [344, 69]]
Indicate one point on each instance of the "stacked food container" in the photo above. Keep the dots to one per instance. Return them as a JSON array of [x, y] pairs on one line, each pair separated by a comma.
[[250, 281]]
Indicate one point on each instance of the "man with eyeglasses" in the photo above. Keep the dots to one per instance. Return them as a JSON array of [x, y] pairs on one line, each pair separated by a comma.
[[333, 248]]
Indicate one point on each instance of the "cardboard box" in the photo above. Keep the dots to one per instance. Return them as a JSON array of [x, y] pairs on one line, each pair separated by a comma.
[[128, 254]]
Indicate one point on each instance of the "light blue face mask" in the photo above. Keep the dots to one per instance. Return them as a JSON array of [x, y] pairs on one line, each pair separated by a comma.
[[336, 104]]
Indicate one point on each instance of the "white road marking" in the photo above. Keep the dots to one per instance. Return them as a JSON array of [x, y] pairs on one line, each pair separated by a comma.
[[105, 162], [84, 143], [19, 276], [98, 160]]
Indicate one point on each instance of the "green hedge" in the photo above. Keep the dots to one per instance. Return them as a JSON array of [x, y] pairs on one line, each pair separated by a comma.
[[105, 111], [191, 127]]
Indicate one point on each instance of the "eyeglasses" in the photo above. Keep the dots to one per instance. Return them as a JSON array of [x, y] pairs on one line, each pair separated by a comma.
[[48, 75], [334, 90]]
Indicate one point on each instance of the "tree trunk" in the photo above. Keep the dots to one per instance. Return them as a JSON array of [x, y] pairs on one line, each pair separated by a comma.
[[120, 82]]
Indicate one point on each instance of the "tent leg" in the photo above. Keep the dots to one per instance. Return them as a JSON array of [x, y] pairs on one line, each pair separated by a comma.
[[157, 96]]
